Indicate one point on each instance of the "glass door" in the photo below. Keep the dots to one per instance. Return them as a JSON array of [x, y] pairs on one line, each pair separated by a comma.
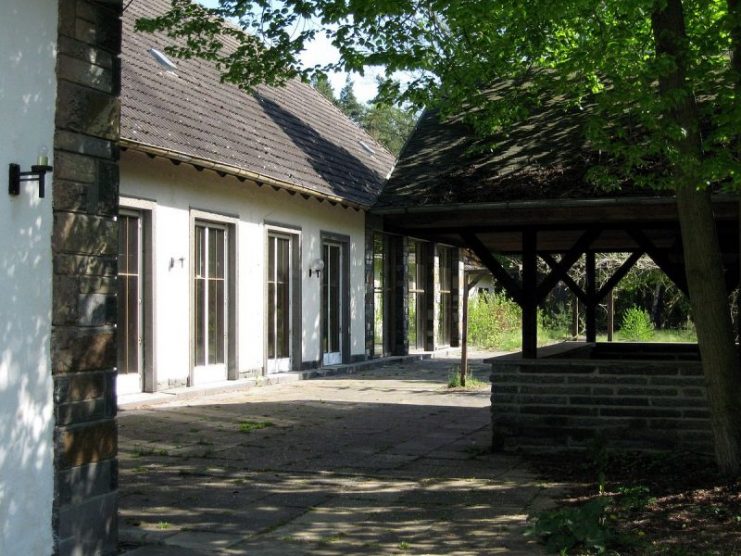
[[332, 304], [279, 303], [210, 309], [417, 323], [129, 326], [445, 310]]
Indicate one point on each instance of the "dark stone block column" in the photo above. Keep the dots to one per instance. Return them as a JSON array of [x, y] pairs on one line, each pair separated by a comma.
[[373, 224], [85, 249], [455, 284], [399, 248], [432, 293]]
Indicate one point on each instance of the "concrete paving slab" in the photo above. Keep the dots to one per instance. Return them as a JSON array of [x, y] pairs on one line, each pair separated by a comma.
[[387, 461], [203, 541], [160, 550]]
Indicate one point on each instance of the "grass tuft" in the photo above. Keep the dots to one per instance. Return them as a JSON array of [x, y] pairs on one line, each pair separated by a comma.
[[249, 426]]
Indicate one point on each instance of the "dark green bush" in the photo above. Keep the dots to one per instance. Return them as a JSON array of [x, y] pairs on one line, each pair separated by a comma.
[[565, 529]]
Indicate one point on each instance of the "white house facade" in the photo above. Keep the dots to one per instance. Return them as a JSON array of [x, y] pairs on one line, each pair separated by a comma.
[[59, 109], [27, 99], [199, 235], [244, 243]]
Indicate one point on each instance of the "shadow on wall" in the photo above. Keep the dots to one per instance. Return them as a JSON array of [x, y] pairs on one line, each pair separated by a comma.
[[27, 97], [26, 406], [311, 332]]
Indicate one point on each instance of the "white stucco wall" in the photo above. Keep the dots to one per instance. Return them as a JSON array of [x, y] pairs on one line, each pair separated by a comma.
[[177, 189], [28, 31]]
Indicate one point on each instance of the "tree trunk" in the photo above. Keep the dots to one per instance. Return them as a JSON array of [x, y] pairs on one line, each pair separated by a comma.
[[610, 315], [702, 254], [657, 306]]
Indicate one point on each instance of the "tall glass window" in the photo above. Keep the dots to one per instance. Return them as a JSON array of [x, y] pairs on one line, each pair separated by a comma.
[[445, 310], [381, 295], [129, 294], [279, 298], [417, 315], [332, 303], [210, 295]]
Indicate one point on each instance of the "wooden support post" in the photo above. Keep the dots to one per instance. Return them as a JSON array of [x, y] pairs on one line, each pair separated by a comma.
[[529, 294], [469, 284], [610, 315], [464, 337], [591, 313]]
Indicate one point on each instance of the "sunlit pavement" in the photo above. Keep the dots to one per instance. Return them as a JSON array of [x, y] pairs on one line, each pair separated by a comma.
[[388, 461]]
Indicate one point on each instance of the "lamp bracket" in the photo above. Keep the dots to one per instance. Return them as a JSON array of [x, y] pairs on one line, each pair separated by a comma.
[[37, 173]]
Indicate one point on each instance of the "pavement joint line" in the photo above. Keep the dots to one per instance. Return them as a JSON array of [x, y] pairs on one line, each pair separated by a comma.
[[395, 493], [145, 400]]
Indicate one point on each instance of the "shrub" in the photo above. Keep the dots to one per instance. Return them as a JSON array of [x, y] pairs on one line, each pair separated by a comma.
[[494, 321], [572, 527], [636, 325]]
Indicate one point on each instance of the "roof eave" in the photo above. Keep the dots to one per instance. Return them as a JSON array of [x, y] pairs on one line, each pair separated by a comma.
[[541, 203], [236, 171]]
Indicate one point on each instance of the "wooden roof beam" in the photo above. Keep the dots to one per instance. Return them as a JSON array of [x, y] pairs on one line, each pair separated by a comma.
[[619, 275], [674, 271], [565, 278], [567, 261], [510, 285]]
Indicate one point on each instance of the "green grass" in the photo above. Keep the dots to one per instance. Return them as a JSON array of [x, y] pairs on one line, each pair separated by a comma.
[[659, 336], [250, 426], [494, 323], [454, 379]]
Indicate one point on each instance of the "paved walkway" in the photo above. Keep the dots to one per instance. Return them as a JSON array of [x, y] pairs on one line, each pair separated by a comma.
[[388, 461]]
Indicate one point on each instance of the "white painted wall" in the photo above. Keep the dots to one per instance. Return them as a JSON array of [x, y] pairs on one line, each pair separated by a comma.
[[28, 31], [485, 284], [177, 189]]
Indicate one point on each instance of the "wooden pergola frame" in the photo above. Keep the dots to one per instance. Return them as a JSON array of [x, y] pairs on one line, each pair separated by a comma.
[[572, 229]]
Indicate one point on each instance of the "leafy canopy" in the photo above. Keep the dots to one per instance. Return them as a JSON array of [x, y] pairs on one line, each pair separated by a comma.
[[597, 55]]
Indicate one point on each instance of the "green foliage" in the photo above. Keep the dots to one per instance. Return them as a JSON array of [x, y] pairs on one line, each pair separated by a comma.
[[584, 526], [454, 379], [389, 125], [634, 498], [494, 322], [598, 457], [350, 104], [648, 287], [601, 57], [321, 83], [249, 426], [636, 325]]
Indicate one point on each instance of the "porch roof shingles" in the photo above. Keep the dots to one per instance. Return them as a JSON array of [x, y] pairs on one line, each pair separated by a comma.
[[291, 134], [544, 157]]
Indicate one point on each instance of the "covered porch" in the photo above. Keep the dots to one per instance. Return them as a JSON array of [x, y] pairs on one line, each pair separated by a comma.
[[527, 194]]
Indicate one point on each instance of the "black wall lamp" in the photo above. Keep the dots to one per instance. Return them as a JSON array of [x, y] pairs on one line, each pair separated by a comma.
[[316, 268], [37, 173]]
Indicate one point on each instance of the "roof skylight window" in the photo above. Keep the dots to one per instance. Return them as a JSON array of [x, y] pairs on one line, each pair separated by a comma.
[[367, 148], [163, 60]]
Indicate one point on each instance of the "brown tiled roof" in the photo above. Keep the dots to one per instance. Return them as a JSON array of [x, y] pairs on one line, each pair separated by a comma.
[[290, 135], [544, 157]]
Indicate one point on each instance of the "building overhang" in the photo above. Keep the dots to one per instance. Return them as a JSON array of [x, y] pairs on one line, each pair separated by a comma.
[[239, 173]]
